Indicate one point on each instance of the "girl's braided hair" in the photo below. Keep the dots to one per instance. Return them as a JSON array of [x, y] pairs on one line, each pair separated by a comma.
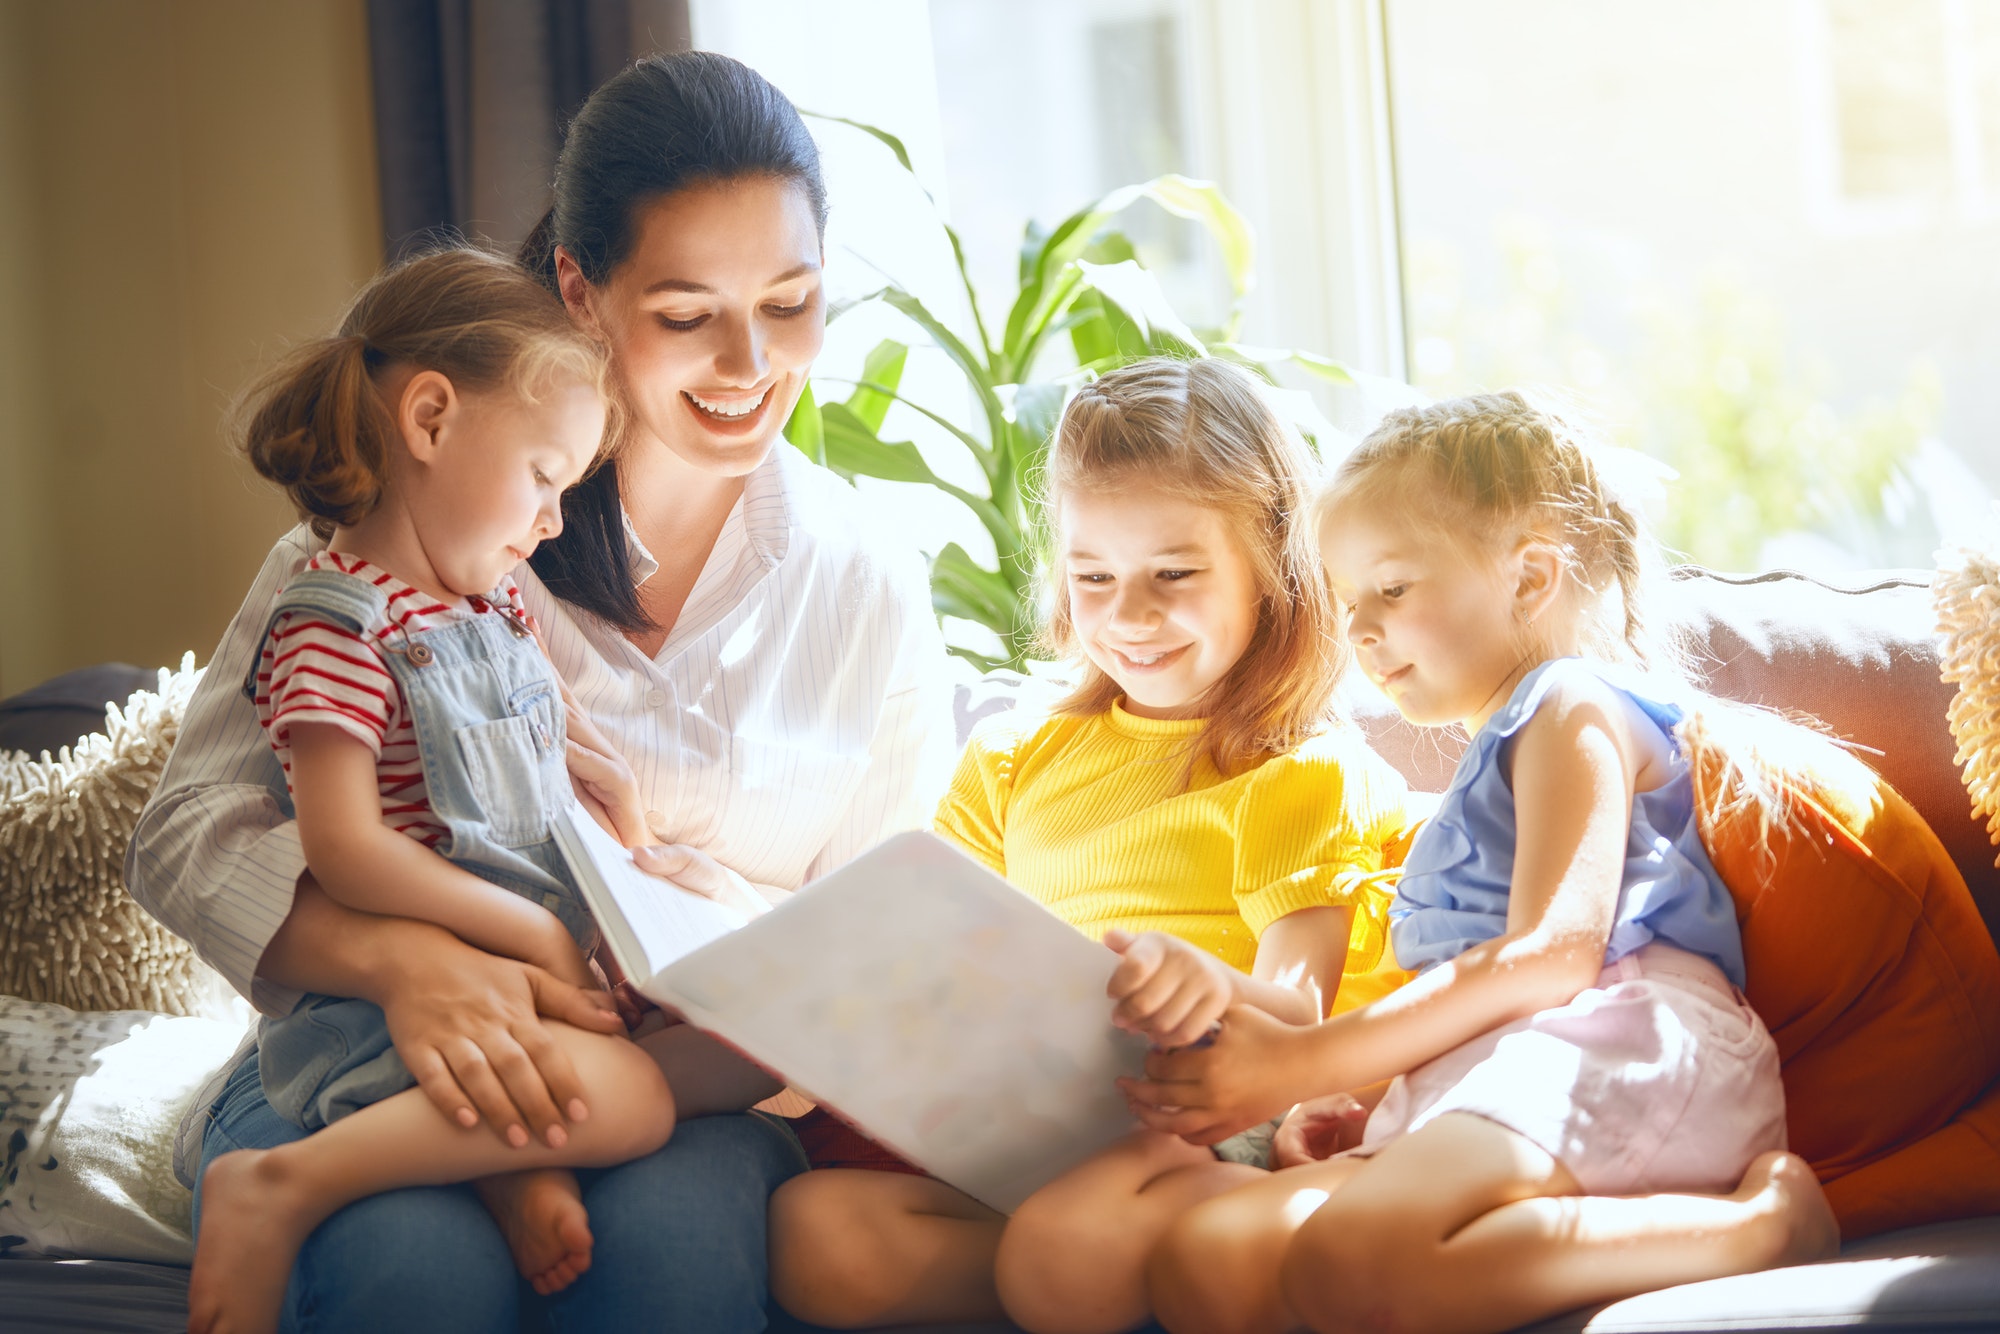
[[1494, 468]]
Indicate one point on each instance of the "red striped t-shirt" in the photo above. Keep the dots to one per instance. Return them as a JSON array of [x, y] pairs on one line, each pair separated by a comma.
[[314, 671]]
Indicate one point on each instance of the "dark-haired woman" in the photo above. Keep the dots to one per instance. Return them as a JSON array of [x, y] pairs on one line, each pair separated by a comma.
[[769, 668]]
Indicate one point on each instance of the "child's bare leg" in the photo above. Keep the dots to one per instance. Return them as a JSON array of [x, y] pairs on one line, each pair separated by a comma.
[[706, 1076], [259, 1206], [852, 1248], [541, 1215], [1073, 1257], [1465, 1227], [1218, 1268]]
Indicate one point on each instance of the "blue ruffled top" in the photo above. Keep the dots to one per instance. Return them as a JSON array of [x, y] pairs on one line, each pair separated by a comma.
[[1455, 882]]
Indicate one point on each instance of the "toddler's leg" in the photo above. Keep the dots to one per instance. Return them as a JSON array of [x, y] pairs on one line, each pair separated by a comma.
[[541, 1215], [1073, 1257], [853, 1248], [1465, 1227], [1218, 1269], [258, 1206]]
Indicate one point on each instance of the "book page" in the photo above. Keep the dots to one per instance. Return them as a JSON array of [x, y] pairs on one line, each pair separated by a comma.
[[649, 922], [937, 1007]]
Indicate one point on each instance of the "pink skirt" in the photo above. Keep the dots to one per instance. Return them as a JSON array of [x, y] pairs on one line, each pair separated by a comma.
[[1659, 1078]]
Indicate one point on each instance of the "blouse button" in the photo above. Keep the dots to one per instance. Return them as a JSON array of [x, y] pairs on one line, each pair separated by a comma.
[[655, 698]]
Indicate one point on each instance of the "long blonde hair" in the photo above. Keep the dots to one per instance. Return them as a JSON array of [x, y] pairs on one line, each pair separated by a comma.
[[1492, 469], [1202, 430]]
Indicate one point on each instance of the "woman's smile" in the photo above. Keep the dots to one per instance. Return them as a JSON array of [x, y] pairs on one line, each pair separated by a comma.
[[731, 416]]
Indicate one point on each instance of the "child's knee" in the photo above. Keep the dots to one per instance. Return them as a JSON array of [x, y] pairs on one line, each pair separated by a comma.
[[631, 1105], [830, 1261], [1213, 1265], [1355, 1270]]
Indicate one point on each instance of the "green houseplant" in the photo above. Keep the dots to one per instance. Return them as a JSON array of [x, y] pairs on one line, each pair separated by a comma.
[[1082, 291]]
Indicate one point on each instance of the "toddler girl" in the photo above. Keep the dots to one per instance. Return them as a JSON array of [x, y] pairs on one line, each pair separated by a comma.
[[422, 736], [1577, 1028], [1192, 802]]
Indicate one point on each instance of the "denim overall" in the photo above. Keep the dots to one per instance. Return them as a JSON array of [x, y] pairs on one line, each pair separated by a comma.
[[489, 726]]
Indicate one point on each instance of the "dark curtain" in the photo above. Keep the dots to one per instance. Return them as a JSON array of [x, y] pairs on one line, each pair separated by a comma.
[[471, 97]]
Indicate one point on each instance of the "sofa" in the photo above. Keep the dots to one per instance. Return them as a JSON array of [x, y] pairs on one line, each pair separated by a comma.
[[1861, 654]]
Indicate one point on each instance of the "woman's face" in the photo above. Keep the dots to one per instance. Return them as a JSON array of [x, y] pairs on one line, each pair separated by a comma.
[[715, 317]]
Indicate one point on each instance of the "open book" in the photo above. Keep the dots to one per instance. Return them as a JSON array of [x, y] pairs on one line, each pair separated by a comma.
[[912, 991]]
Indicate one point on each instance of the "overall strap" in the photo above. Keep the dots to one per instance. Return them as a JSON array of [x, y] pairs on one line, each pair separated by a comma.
[[344, 599]]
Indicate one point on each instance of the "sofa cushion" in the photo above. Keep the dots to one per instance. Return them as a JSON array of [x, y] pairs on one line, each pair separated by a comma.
[[1862, 657], [89, 1102], [1867, 959]]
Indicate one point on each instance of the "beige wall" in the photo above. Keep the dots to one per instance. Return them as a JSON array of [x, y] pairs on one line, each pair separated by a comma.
[[183, 188]]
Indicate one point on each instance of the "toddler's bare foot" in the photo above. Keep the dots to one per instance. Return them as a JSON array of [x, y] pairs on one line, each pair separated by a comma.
[[253, 1221], [541, 1214], [1805, 1229]]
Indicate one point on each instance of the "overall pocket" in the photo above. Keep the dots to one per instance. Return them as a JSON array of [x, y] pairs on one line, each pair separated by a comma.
[[508, 762]]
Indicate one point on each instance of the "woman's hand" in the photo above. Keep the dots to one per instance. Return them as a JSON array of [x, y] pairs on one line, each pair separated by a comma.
[[1248, 1073], [692, 869], [605, 784], [468, 1024], [1167, 990], [1317, 1129]]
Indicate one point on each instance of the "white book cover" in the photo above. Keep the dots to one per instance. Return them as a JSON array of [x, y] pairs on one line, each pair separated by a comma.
[[912, 991]]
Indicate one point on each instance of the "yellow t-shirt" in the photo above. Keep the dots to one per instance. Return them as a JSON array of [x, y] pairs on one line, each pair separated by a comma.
[[1090, 815]]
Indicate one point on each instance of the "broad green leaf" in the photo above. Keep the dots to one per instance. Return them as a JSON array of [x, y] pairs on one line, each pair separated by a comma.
[[1138, 294], [1203, 202], [853, 450], [974, 370], [1312, 363], [804, 429], [881, 376], [1111, 247], [895, 144], [963, 436], [974, 592], [979, 660], [1091, 332], [1037, 408], [1179, 195]]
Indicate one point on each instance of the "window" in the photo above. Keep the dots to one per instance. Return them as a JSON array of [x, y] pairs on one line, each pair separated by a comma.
[[1755, 237]]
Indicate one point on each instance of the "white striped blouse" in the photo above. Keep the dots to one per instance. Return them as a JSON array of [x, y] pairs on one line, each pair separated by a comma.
[[799, 712]]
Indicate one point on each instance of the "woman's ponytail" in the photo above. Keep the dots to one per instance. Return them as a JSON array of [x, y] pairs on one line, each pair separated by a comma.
[[317, 427], [538, 253]]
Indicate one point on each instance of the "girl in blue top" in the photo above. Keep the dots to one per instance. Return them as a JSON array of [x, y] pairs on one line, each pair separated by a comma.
[[1577, 1028]]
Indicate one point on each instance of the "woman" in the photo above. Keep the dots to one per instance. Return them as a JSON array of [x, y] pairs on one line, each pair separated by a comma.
[[774, 677]]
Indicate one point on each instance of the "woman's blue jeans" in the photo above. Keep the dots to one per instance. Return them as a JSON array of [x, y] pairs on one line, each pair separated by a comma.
[[679, 1238]]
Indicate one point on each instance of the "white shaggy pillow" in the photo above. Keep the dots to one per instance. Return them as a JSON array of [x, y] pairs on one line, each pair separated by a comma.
[[73, 935], [1966, 597], [89, 1101]]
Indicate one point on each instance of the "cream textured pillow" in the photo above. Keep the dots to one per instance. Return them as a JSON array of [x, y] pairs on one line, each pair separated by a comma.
[[1966, 594], [89, 1102], [73, 935]]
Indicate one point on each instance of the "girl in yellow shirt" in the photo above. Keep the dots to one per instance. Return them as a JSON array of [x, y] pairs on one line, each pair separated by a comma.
[[1193, 803]]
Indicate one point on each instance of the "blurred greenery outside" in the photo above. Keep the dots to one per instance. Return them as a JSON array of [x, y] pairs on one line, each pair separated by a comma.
[[1714, 386]]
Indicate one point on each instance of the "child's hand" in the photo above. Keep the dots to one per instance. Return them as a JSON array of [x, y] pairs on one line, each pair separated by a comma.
[[1206, 1094], [1167, 990], [1319, 1128]]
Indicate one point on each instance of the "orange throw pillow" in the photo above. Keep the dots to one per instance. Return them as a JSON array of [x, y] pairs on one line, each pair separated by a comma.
[[1870, 963]]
